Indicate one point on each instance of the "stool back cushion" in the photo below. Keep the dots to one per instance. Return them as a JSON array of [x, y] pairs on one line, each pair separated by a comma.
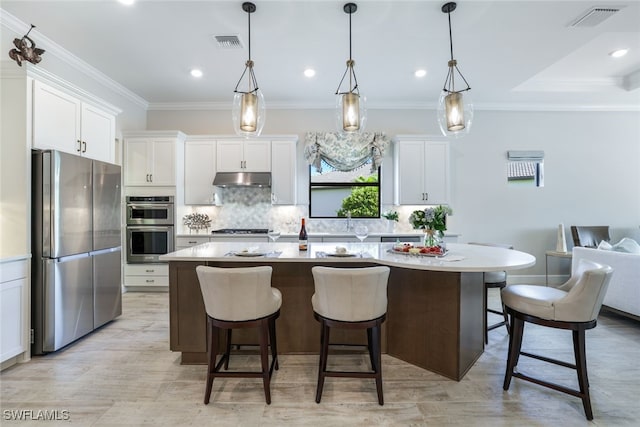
[[579, 303], [238, 294], [350, 294], [584, 300]]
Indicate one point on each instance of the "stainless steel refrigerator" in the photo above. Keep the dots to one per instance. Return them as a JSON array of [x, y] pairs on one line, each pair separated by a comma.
[[76, 222]]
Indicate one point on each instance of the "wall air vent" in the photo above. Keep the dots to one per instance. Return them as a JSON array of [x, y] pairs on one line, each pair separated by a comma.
[[594, 16], [228, 42]]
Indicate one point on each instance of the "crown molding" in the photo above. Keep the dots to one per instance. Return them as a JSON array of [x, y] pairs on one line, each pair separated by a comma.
[[506, 106], [15, 25]]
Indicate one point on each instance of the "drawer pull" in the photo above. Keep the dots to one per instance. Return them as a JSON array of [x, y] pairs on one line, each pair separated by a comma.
[[190, 241], [149, 280], [149, 271]]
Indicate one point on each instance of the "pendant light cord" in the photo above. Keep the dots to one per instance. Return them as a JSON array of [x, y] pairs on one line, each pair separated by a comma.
[[450, 36], [249, 21]]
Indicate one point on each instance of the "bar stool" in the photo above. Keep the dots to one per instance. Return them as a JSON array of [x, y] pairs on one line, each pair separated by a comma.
[[494, 280], [573, 306], [351, 298], [237, 298]]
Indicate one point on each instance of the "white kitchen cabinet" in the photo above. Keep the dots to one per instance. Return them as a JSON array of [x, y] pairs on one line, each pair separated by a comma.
[[283, 172], [14, 303], [151, 159], [421, 171], [243, 156], [183, 242], [146, 275], [63, 122], [199, 171]]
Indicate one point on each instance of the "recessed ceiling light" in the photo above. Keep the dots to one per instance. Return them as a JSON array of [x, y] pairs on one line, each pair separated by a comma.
[[420, 73], [309, 72], [618, 53], [127, 2], [196, 73]]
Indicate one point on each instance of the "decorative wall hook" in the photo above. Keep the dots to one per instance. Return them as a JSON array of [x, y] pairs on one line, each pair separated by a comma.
[[26, 49]]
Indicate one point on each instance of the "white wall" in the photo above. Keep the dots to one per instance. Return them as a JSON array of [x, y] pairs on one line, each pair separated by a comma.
[[592, 168]]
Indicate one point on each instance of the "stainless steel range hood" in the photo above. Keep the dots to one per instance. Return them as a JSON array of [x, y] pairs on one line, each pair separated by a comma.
[[242, 179]]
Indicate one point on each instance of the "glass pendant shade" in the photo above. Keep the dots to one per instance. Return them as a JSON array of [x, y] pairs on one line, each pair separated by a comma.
[[351, 113], [248, 113], [455, 113]]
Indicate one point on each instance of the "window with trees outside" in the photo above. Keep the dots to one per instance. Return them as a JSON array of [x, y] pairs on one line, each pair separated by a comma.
[[336, 194]]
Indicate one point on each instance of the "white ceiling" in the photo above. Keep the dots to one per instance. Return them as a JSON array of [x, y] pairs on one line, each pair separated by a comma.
[[514, 54]]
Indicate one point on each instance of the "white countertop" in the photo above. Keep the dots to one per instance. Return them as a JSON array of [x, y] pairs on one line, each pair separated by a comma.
[[459, 258], [316, 234]]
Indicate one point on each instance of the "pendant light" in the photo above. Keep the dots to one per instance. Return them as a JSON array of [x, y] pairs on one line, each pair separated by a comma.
[[248, 106], [351, 114], [455, 108]]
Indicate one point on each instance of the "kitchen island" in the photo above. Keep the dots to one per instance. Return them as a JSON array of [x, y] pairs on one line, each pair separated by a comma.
[[435, 314]]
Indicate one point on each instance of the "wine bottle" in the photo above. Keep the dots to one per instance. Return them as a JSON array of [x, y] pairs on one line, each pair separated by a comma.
[[302, 238]]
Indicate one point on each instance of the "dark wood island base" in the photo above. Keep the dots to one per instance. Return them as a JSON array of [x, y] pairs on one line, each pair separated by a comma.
[[435, 319]]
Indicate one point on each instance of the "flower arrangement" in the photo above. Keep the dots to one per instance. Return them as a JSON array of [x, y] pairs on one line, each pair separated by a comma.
[[433, 218], [391, 216], [196, 221]]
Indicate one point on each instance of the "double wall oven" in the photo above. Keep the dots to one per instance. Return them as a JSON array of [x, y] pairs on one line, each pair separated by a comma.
[[150, 232]]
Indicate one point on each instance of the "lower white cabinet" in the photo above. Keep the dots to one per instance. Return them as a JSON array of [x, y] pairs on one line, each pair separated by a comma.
[[146, 275], [183, 242], [14, 295]]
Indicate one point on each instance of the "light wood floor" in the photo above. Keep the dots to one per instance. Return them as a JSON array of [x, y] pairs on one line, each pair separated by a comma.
[[124, 374]]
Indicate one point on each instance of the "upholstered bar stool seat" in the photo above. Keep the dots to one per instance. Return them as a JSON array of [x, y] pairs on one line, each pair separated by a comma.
[[573, 306], [236, 298], [351, 298]]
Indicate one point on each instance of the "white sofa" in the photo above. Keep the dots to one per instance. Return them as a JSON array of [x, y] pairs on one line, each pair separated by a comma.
[[623, 294]]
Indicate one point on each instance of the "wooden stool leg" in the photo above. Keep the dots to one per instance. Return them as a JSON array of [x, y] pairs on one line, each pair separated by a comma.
[[581, 368], [227, 352], [515, 343], [370, 347], [273, 342], [377, 366], [211, 362], [324, 353], [264, 358]]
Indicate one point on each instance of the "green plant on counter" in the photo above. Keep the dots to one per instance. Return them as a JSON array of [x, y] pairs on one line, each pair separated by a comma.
[[391, 216], [362, 202]]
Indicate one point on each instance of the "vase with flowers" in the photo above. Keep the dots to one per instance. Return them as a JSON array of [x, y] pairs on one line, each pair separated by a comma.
[[433, 221], [391, 217]]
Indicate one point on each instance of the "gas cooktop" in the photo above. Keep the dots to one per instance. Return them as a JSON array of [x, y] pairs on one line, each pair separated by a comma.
[[240, 231]]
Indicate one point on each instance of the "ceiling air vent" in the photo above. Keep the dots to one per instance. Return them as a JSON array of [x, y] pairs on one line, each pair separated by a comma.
[[228, 42], [594, 16]]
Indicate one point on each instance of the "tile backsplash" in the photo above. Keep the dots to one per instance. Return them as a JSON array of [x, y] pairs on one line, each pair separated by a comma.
[[251, 208]]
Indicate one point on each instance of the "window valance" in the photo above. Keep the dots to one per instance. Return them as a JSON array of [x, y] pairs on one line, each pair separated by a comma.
[[345, 152]]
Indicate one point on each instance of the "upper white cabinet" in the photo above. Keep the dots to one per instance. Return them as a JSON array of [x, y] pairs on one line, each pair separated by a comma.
[[199, 171], [283, 172], [421, 171], [243, 156], [63, 122], [151, 158]]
